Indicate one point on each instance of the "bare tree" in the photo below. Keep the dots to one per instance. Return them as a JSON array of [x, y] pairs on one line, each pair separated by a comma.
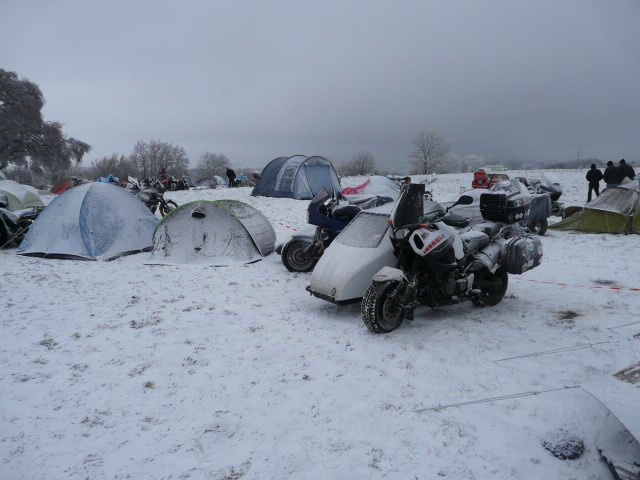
[[118, 165], [150, 157], [430, 148], [362, 163], [213, 164]]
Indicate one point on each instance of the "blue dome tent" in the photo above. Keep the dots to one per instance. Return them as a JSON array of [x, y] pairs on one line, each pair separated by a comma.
[[298, 177]]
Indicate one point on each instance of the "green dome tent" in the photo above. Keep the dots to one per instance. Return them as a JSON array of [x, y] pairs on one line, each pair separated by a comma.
[[20, 196], [219, 233], [616, 210]]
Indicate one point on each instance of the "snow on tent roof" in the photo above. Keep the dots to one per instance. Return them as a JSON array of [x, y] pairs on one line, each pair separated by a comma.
[[298, 177], [222, 232], [375, 185], [616, 210], [94, 221], [19, 195]]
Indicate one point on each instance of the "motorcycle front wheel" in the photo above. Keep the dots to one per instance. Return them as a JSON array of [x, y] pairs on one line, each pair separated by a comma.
[[381, 312], [296, 259], [168, 207], [492, 288]]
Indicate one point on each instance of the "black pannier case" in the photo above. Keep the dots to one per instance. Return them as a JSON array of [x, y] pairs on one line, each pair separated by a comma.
[[499, 207], [520, 254]]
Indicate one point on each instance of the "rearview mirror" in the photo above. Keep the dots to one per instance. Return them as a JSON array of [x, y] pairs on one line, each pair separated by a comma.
[[465, 200]]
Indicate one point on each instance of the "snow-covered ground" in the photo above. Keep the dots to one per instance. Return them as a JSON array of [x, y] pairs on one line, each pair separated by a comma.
[[113, 370]]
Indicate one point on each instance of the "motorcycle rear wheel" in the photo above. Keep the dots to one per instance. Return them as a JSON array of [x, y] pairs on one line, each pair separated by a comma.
[[296, 259], [493, 287], [381, 312], [539, 228], [170, 206]]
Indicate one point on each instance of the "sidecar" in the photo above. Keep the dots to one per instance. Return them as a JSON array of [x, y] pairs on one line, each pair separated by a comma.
[[344, 272]]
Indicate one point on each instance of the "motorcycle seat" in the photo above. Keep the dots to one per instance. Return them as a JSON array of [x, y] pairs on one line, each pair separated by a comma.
[[346, 212], [489, 228], [457, 221]]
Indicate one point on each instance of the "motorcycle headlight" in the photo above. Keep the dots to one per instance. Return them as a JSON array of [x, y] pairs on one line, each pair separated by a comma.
[[401, 233]]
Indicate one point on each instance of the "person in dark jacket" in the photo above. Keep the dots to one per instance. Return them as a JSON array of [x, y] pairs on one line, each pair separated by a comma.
[[611, 175], [594, 175], [231, 175], [626, 170]]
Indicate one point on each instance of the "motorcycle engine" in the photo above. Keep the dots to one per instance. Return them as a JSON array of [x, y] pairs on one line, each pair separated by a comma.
[[456, 283]]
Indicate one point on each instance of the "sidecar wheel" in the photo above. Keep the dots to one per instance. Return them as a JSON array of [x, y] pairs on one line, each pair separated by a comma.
[[492, 286], [296, 259], [381, 312]]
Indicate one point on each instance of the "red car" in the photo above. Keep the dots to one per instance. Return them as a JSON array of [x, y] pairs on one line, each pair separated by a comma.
[[482, 179]]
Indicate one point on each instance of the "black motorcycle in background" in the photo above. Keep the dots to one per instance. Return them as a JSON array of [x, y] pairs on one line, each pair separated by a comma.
[[152, 196], [14, 224]]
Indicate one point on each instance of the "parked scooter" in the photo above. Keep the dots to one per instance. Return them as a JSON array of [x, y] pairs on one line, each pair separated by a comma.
[[441, 263], [327, 216]]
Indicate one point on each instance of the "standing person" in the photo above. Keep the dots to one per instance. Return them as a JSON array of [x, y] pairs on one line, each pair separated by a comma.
[[231, 175], [611, 175], [626, 170], [594, 175]]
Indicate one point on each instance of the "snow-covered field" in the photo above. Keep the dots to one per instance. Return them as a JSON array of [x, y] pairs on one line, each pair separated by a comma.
[[113, 370]]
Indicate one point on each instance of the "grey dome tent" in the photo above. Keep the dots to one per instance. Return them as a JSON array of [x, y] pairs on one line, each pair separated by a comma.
[[221, 232], [298, 177], [94, 221]]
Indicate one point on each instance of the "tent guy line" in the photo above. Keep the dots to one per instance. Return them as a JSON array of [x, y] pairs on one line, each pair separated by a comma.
[[494, 399], [600, 287]]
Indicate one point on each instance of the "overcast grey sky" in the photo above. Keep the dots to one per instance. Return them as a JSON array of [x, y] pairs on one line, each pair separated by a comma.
[[255, 80]]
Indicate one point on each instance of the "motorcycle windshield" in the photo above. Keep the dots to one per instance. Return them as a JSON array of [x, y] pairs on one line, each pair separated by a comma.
[[320, 198], [366, 230], [410, 205]]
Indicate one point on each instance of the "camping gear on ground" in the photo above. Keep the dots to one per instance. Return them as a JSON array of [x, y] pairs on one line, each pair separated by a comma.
[[327, 216], [219, 233], [439, 263], [20, 196], [65, 183], [616, 210], [109, 179], [14, 224], [298, 177], [93, 221]]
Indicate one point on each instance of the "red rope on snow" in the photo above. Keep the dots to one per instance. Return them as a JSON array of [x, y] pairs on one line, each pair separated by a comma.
[[283, 224], [580, 286]]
